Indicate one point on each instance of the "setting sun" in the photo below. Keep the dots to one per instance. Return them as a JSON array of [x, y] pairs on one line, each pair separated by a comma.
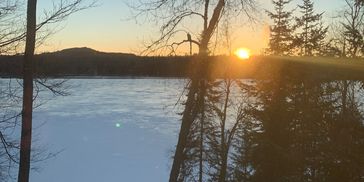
[[243, 53]]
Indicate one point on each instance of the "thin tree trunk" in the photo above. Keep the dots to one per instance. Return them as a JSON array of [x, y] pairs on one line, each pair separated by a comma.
[[26, 131], [201, 153], [224, 143], [344, 96], [201, 104], [187, 120]]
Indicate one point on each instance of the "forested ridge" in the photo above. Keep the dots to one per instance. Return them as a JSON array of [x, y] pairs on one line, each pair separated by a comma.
[[88, 62]]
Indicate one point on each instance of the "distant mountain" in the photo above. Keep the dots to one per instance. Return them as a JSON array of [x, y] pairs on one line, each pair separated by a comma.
[[84, 51], [77, 51]]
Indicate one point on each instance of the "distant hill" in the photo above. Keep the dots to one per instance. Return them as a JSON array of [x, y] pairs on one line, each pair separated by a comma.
[[77, 51], [83, 61], [84, 51]]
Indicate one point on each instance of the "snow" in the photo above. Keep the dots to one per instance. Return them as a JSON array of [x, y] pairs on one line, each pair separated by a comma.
[[110, 130]]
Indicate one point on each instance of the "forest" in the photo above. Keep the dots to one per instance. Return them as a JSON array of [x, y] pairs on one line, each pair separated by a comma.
[[292, 113], [85, 62]]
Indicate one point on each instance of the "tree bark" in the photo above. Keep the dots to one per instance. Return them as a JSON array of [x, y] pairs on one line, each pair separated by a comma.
[[222, 175], [26, 131]]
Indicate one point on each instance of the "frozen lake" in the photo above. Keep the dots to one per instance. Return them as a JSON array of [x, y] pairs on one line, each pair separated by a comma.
[[126, 130], [110, 130]]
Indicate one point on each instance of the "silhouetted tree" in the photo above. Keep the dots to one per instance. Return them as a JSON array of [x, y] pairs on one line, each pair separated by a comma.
[[297, 133], [59, 14], [353, 24], [26, 131], [243, 147], [8, 95], [9, 146], [311, 32], [281, 32], [174, 13], [9, 13], [270, 158], [345, 133], [352, 32]]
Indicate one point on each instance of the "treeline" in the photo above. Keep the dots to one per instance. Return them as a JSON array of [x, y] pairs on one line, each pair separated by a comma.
[[87, 62], [303, 32]]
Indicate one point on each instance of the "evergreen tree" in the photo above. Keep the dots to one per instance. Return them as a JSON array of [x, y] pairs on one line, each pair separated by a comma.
[[353, 28], [281, 32], [310, 38]]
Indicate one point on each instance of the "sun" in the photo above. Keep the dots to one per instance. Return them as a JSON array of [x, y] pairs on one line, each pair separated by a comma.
[[243, 53]]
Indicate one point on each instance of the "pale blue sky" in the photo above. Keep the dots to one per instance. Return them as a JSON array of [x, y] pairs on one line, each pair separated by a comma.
[[104, 28]]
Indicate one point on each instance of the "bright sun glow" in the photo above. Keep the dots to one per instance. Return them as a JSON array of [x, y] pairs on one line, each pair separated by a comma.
[[242, 53]]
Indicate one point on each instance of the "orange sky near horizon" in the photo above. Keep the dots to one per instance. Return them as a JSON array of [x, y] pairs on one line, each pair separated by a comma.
[[105, 28]]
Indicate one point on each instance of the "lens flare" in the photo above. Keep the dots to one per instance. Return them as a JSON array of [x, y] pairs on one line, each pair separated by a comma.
[[242, 53]]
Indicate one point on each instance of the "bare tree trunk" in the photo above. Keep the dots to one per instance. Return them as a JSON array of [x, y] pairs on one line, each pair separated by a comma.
[[224, 143], [201, 151], [191, 108], [223, 169], [201, 105], [187, 120], [26, 131], [195, 99], [194, 106], [344, 96]]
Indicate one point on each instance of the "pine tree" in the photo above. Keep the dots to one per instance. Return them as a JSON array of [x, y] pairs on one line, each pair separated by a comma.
[[312, 33], [281, 32], [353, 28]]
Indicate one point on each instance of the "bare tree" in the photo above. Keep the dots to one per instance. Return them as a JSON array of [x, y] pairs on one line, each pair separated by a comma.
[[26, 131], [60, 13], [229, 111], [12, 35], [10, 101], [9, 16], [171, 14], [14, 38]]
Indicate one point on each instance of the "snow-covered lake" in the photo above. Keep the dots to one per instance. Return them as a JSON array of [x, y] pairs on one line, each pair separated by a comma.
[[113, 130], [110, 130]]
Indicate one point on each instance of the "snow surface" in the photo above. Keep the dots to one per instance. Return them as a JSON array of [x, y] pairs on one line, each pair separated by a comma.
[[110, 130]]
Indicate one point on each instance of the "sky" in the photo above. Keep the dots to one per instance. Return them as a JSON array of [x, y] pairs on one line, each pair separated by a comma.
[[109, 27]]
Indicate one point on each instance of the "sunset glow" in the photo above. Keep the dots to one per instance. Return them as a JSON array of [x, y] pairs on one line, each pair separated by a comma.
[[243, 53]]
